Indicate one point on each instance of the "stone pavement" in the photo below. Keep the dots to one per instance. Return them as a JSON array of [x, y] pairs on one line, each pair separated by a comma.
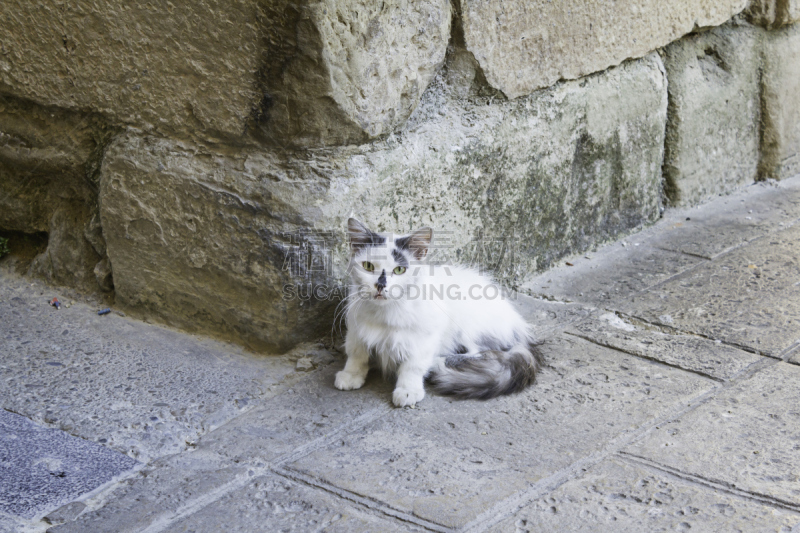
[[669, 402]]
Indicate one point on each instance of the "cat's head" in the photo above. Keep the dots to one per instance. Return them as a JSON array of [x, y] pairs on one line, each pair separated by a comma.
[[384, 266]]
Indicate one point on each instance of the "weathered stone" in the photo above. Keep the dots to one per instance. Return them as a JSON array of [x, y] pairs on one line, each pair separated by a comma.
[[48, 184], [731, 221], [773, 13], [227, 459], [626, 498], [41, 469], [547, 318], [448, 461], [104, 276], [605, 276], [308, 411], [345, 72], [748, 297], [160, 491], [66, 513], [305, 72], [712, 142], [136, 388], [151, 65], [696, 354], [745, 437], [525, 45], [272, 503], [780, 93], [210, 238]]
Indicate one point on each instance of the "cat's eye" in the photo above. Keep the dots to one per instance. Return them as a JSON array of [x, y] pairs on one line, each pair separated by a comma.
[[399, 270], [369, 267]]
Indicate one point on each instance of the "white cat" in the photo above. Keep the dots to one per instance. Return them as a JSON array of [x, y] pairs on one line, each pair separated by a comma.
[[449, 325]]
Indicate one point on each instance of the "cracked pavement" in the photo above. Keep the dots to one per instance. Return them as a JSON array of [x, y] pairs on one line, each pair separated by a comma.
[[669, 402]]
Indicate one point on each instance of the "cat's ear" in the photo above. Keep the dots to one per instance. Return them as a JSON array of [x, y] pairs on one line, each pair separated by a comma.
[[418, 242], [361, 236]]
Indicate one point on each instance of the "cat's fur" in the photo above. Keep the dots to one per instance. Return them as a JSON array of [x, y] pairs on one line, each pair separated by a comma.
[[449, 325]]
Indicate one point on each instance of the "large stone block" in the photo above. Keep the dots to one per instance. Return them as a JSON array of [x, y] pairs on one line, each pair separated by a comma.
[[308, 72], [773, 13], [341, 72], [524, 45], [211, 237], [49, 162], [780, 90], [712, 143]]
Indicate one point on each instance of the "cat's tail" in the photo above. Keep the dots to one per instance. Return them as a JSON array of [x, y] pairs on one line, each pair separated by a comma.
[[488, 375]]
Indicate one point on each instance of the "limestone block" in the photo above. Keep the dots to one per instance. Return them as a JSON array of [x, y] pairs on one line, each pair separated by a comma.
[[773, 13], [311, 72], [524, 45], [209, 237], [342, 72], [712, 143], [48, 170], [780, 89]]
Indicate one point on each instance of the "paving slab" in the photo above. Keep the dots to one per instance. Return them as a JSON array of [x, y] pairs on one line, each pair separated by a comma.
[[746, 437], [448, 461], [688, 352], [620, 497], [41, 469], [749, 297], [617, 271], [682, 239], [547, 318], [134, 387], [308, 411], [273, 503], [730, 221], [159, 492], [311, 409]]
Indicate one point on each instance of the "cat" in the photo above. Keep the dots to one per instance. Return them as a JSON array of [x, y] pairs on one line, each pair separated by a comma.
[[447, 325]]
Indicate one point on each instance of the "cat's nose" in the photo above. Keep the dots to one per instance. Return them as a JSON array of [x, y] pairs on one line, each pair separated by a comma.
[[381, 282]]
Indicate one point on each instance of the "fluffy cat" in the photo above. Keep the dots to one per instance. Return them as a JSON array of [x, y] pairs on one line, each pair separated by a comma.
[[448, 325]]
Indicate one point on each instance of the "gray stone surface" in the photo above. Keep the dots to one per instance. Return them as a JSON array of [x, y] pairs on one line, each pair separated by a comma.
[[525, 45], [65, 513], [228, 457], [42, 468], [748, 297], [308, 411], [547, 318], [731, 221], [688, 352], [603, 277], [155, 496], [449, 461], [207, 237], [712, 142], [136, 388], [619, 497], [780, 94], [613, 429], [272, 503], [745, 437]]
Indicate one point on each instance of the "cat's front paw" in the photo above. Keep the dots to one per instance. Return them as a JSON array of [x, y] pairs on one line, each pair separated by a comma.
[[403, 397], [347, 381]]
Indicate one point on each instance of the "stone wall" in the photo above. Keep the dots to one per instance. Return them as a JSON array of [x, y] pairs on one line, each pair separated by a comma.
[[200, 161]]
